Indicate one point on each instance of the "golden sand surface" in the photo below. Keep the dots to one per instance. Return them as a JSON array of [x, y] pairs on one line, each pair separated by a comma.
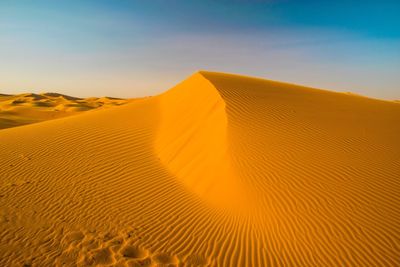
[[22, 109], [221, 170]]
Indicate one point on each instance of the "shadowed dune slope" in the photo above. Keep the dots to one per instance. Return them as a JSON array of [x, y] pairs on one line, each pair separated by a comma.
[[22, 109], [221, 170]]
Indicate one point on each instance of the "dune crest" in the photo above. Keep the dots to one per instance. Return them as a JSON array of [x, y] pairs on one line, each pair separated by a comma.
[[221, 170], [192, 141]]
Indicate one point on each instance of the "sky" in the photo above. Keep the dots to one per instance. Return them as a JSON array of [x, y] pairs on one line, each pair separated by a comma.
[[134, 48]]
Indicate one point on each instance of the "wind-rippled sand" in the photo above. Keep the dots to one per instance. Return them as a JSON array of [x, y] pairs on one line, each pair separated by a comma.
[[221, 170]]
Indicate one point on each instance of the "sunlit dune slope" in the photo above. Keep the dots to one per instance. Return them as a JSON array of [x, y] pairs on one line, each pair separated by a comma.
[[16, 110], [221, 170]]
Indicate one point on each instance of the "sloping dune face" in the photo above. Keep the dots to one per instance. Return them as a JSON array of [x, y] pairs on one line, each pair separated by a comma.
[[22, 109], [221, 170]]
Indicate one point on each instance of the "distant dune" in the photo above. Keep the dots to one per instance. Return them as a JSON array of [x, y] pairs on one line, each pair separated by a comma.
[[221, 170], [16, 110]]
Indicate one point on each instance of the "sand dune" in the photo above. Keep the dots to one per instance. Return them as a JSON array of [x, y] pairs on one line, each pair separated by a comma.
[[221, 170], [22, 109]]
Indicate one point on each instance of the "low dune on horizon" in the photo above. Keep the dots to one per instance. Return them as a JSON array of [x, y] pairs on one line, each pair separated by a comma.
[[22, 109], [220, 170]]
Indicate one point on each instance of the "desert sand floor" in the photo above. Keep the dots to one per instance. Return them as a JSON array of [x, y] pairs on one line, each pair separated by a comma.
[[221, 170], [22, 109]]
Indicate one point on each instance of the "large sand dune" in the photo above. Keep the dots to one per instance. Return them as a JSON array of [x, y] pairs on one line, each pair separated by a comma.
[[221, 170]]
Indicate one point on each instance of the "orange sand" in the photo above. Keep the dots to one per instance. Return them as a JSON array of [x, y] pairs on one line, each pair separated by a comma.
[[221, 170], [16, 110]]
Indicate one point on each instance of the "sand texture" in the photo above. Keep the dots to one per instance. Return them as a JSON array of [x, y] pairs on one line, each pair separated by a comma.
[[221, 170], [22, 109]]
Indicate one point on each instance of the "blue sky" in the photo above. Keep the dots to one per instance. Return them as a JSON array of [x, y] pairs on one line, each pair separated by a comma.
[[128, 48]]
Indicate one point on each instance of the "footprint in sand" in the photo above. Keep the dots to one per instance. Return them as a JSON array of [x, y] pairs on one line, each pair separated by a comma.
[[165, 259], [74, 237], [100, 256], [134, 252], [140, 263]]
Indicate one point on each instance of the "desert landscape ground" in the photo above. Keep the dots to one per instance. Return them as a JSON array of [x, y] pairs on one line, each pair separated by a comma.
[[220, 170]]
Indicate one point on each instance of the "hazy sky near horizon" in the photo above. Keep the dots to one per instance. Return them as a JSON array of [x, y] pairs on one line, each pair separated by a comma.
[[129, 48]]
